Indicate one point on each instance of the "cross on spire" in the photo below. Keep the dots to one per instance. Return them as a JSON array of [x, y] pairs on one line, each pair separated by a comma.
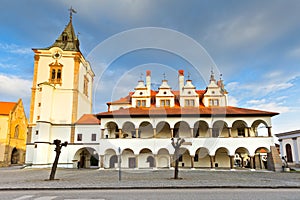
[[164, 74], [189, 75], [71, 12], [141, 76]]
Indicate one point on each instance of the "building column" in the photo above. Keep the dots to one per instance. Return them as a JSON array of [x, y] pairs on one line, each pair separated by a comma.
[[212, 162], [101, 161], [137, 133], [209, 132], [295, 147], [231, 162], [269, 131], [172, 133], [281, 148], [156, 160], [252, 163], [136, 161], [120, 133], [192, 132], [192, 161], [154, 132], [229, 132]]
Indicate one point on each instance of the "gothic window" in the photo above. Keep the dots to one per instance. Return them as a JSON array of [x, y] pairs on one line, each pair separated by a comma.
[[55, 73], [189, 103]]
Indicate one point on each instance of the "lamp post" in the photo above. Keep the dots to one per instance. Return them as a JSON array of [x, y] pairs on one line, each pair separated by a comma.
[[57, 149]]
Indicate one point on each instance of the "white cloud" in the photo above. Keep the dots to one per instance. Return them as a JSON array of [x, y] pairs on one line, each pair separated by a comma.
[[15, 49], [14, 87], [264, 104]]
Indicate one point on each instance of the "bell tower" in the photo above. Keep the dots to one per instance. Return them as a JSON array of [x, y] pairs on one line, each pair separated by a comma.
[[61, 92]]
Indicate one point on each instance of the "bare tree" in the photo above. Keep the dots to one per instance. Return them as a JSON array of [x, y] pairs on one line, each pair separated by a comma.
[[57, 149], [177, 146]]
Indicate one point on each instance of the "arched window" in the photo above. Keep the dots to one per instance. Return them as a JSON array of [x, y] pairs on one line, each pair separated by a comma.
[[64, 37], [58, 76]]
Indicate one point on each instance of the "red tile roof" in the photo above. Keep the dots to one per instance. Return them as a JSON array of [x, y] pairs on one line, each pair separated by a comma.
[[88, 119], [6, 107], [187, 111]]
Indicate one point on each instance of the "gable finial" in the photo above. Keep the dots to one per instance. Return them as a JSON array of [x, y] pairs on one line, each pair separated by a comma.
[[141, 76], [164, 74], [71, 12], [189, 76]]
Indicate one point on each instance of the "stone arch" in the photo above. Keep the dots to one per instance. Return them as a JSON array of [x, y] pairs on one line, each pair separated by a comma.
[[259, 128], [128, 159], [202, 158], [239, 128], [201, 129], [145, 130], [222, 158], [163, 158], [112, 130], [86, 157], [220, 129], [111, 158], [182, 130], [146, 158], [128, 130], [15, 156], [163, 130], [241, 157], [184, 157], [260, 158]]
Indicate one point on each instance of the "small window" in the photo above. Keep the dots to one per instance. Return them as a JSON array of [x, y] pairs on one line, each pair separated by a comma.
[[38, 117], [180, 158], [17, 131], [165, 103], [36, 132], [94, 136], [55, 73], [39, 104], [141, 93], [79, 137], [140, 103], [189, 102], [213, 102], [165, 92], [64, 37]]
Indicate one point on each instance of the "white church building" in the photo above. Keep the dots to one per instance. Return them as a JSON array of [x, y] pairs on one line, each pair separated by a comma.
[[137, 128]]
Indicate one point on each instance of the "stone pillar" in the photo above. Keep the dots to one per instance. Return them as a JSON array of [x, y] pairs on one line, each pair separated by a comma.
[[172, 132], [101, 161], [295, 147], [212, 162], [192, 161], [229, 132], [210, 132], [252, 163], [136, 133], [154, 132], [136, 161], [269, 131], [281, 148], [120, 133], [192, 132], [156, 160], [231, 162]]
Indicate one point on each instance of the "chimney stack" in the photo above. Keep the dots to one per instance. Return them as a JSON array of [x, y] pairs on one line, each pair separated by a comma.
[[181, 80], [148, 80]]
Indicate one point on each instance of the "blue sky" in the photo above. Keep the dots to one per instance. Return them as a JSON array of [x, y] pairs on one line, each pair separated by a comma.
[[254, 44]]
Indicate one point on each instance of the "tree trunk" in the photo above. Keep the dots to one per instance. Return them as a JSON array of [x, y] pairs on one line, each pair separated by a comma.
[[54, 166]]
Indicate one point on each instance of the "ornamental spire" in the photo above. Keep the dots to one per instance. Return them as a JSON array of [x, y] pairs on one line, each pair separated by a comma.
[[71, 12]]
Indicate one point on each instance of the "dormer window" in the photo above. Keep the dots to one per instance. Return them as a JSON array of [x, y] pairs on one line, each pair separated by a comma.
[[64, 37], [165, 102], [214, 102], [189, 102], [140, 103]]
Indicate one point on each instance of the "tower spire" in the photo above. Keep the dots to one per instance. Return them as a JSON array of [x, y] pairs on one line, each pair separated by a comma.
[[71, 12]]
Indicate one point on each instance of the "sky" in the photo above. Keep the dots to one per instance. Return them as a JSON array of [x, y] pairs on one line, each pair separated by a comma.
[[255, 45]]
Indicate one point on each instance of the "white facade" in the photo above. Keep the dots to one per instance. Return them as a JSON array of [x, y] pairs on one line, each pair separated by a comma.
[[290, 147], [139, 127]]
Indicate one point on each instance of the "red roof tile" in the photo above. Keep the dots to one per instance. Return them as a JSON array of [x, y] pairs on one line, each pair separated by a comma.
[[188, 111], [6, 107], [88, 119]]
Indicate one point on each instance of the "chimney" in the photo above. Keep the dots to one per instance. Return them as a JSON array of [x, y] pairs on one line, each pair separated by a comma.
[[148, 80], [181, 80]]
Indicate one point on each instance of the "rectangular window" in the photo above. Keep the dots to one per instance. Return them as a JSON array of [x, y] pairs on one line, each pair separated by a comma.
[[213, 102], [55, 73], [79, 137], [39, 104], [36, 132], [94, 136], [165, 103], [180, 158], [189, 103], [140, 103]]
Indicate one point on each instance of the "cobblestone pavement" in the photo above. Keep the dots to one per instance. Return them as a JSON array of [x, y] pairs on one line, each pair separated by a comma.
[[29, 178]]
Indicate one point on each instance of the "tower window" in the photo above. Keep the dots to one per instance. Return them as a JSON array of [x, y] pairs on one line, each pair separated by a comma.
[[55, 73], [64, 37]]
